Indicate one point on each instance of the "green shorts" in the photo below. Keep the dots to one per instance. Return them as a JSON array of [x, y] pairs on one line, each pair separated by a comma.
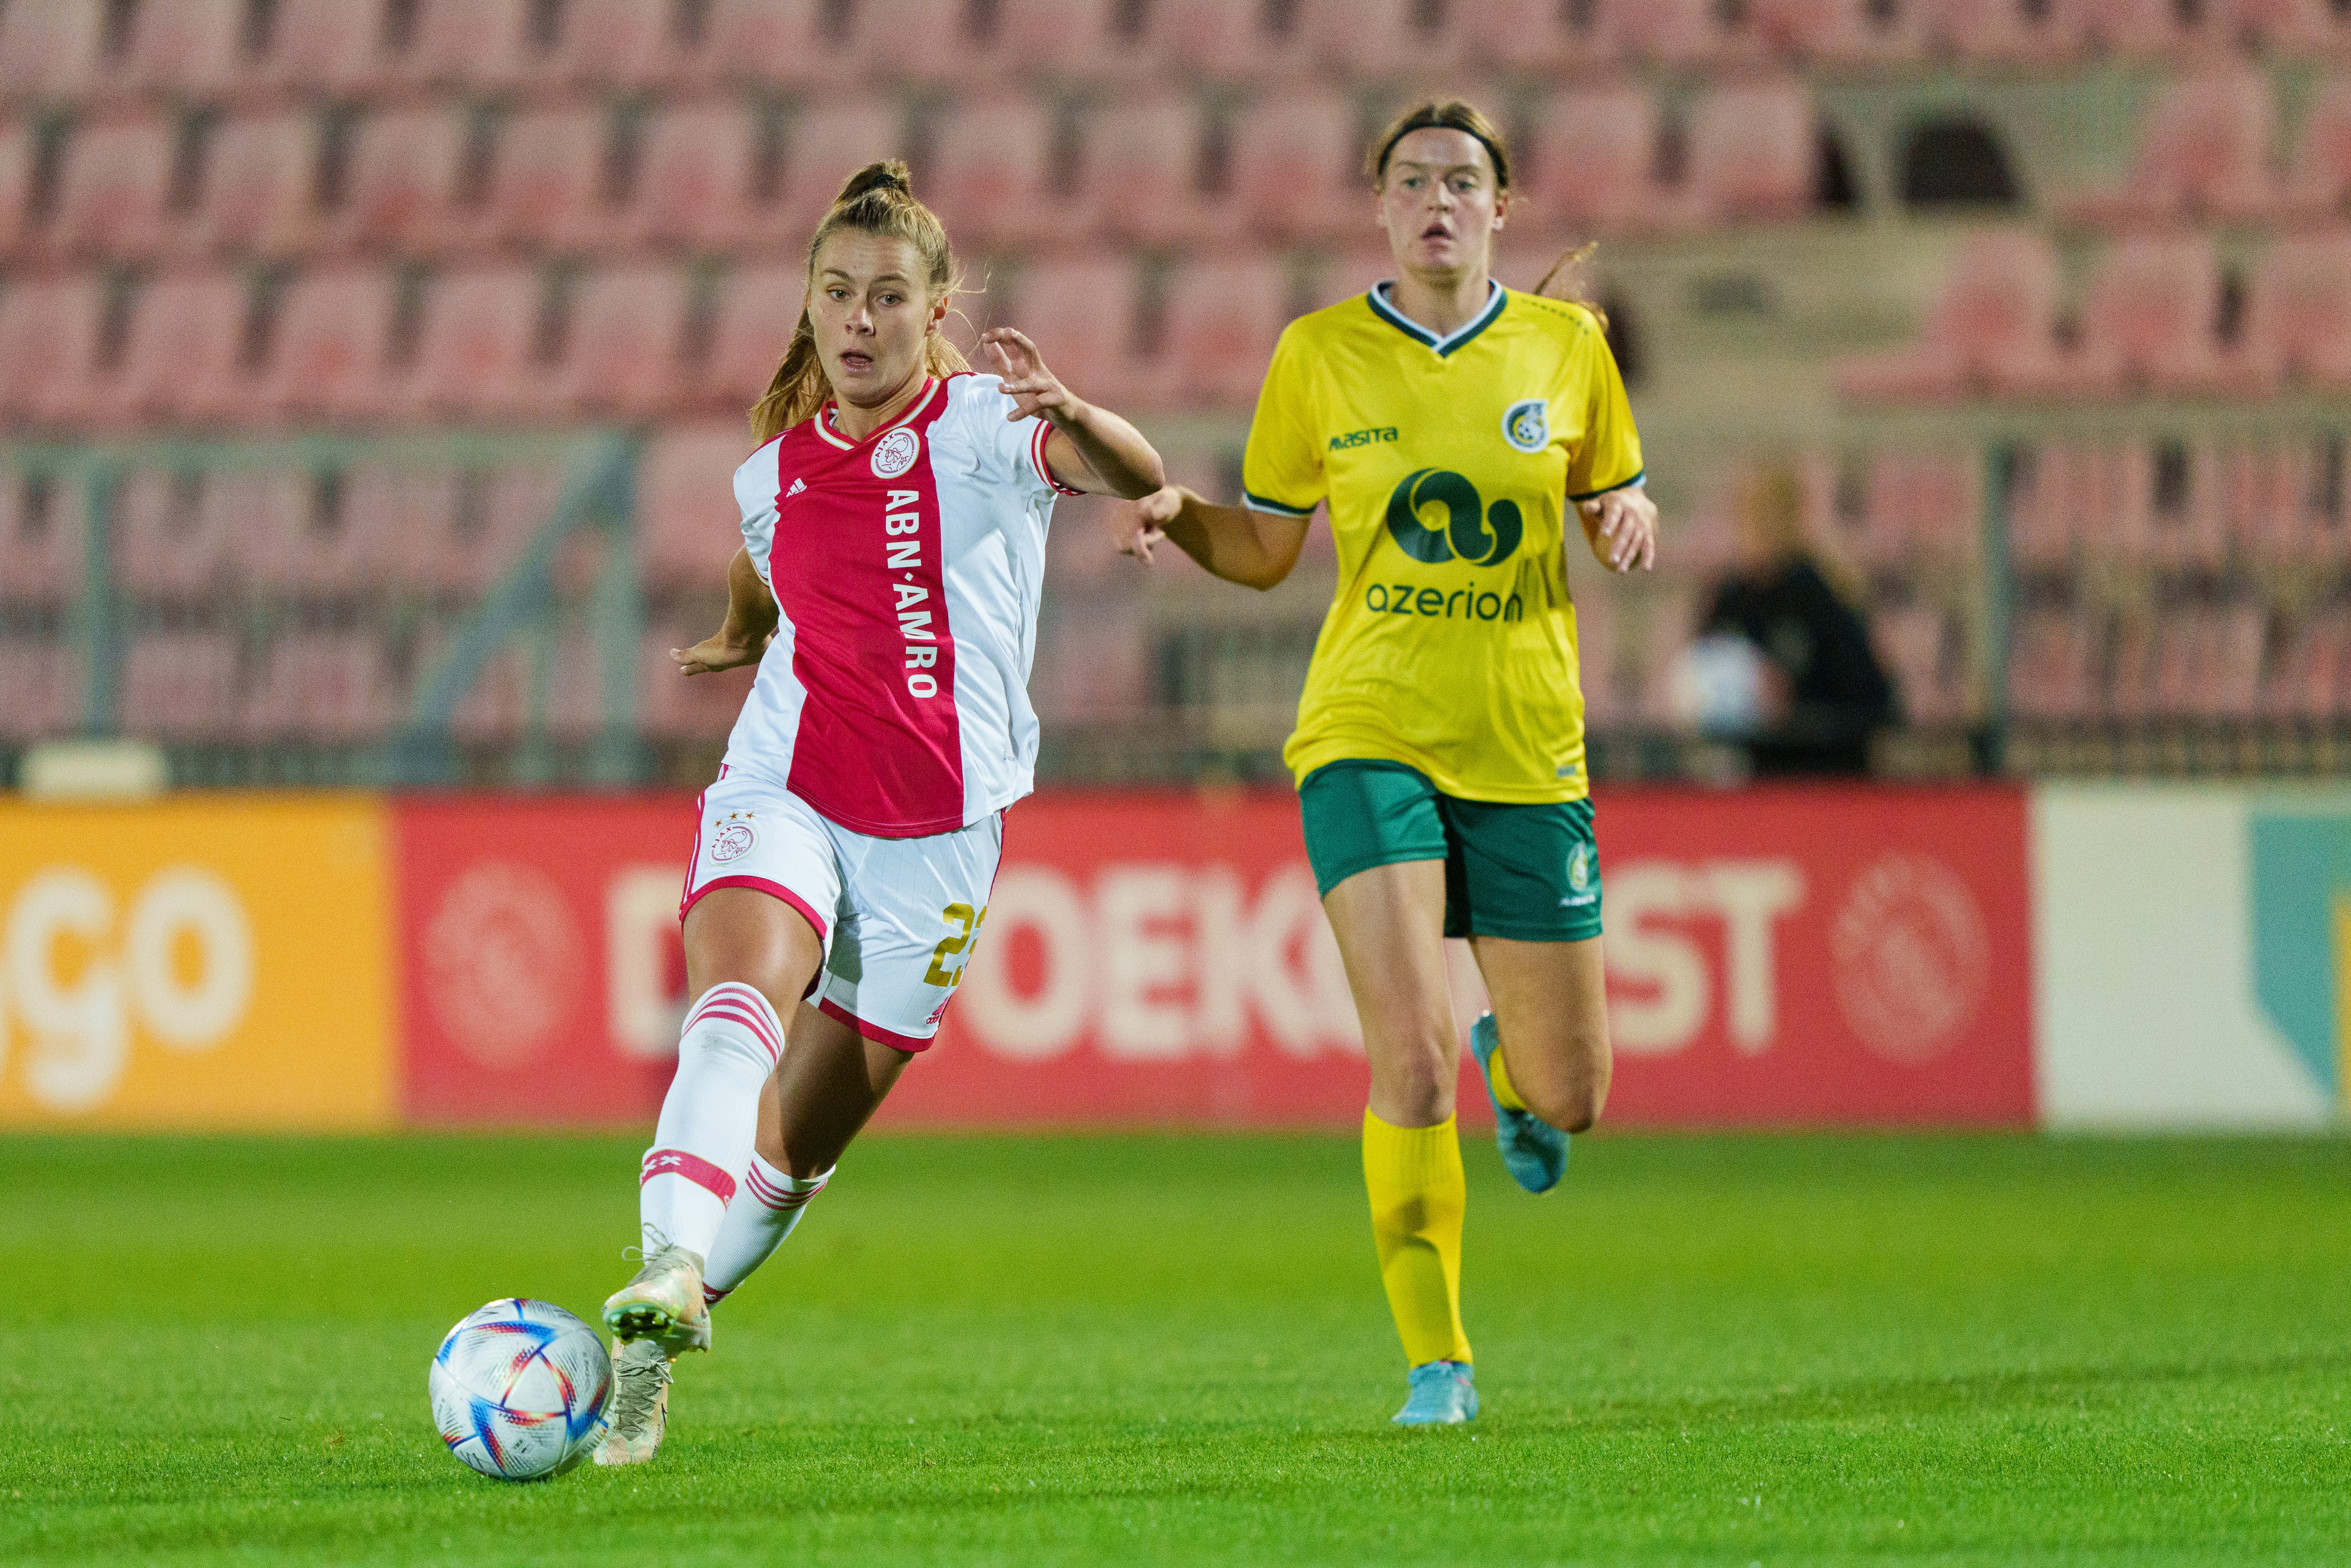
[[1529, 873]]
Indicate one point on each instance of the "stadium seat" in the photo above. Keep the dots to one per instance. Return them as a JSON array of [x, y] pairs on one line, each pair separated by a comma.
[[111, 198], [1091, 668], [2229, 681], [2131, 26], [1589, 167], [614, 43], [1077, 38], [768, 43], [259, 186], [546, 187], [169, 542], [1837, 30], [1409, 38], [2147, 321], [991, 176], [1752, 153], [48, 48], [1222, 317], [628, 331], [688, 526], [824, 146], [1083, 314], [1992, 329], [185, 47], [315, 44], [2001, 31], [1915, 642], [474, 355], [758, 309], [671, 707], [1678, 32], [1298, 166], [180, 685], [182, 359], [274, 536], [2205, 153], [403, 517], [1142, 168], [2284, 26], [41, 538], [2044, 507], [2312, 679], [1225, 38], [403, 179], [1528, 35], [922, 42], [321, 687], [2052, 668], [17, 139], [2133, 655], [329, 360], [2319, 183], [2298, 313], [477, 43], [693, 187], [43, 679], [49, 341]]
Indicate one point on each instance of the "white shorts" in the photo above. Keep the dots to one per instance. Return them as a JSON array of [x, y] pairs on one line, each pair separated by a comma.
[[898, 917]]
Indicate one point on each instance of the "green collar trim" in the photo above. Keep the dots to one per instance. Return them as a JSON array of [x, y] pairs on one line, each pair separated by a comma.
[[1497, 297]]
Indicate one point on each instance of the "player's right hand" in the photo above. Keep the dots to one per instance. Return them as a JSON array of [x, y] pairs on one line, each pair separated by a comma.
[[1144, 523], [719, 651]]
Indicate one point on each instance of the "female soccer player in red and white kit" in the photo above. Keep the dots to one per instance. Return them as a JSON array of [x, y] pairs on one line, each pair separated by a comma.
[[894, 540]]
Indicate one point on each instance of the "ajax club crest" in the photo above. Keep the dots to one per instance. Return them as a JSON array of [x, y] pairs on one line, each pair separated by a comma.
[[1526, 425], [895, 452], [735, 838]]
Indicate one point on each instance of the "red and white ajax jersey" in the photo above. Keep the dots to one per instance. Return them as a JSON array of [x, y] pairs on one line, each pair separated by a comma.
[[908, 568]]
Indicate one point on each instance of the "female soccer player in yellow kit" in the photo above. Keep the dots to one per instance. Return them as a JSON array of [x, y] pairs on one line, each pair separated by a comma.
[[1449, 423]]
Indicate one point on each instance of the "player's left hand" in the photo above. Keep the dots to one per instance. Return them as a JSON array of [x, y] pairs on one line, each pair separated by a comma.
[[1034, 389], [1623, 527]]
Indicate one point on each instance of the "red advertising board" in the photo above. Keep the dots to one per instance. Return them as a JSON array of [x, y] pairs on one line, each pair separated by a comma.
[[1796, 957]]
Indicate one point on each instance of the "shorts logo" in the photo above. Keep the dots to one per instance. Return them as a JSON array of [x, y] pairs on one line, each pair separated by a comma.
[[1579, 867], [735, 838], [1470, 532], [1527, 425], [895, 452]]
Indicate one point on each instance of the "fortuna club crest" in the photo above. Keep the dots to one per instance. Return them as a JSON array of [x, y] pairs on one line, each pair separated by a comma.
[[734, 839], [1527, 425], [895, 452]]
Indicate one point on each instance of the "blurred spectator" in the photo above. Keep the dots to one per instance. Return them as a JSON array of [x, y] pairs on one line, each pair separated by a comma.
[[1823, 693]]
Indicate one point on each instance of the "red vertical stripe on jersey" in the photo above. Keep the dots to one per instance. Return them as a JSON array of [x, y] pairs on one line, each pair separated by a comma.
[[879, 749]]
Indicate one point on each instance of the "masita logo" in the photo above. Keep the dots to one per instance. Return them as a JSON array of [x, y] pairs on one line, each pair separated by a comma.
[[895, 452], [1470, 532]]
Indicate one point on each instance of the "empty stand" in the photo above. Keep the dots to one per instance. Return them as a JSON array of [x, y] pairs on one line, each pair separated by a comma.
[[2312, 678], [1752, 151], [319, 44], [1143, 165], [1083, 317], [258, 188], [1995, 30], [1590, 164], [826, 144], [991, 168], [1915, 642], [331, 687], [758, 309], [111, 198], [628, 329], [1837, 30], [275, 534], [180, 685], [672, 706], [480, 326], [187, 355], [49, 340], [694, 184], [2319, 183], [2298, 311], [404, 178], [185, 45], [331, 348], [2132, 26], [2285, 25], [548, 187], [614, 43], [48, 48], [688, 523], [1677, 32], [1992, 329], [2052, 666], [1228, 38], [766, 42], [169, 542], [2205, 153], [16, 143], [467, 43], [43, 680], [41, 539], [1222, 318], [2148, 322], [1298, 165], [1526, 35], [1380, 37]]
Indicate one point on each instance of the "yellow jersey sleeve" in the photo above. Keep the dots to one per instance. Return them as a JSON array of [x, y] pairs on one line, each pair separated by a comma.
[[1609, 456], [1281, 469]]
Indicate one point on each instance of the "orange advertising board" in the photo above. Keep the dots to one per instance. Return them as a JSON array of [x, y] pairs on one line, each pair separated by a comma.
[[217, 961]]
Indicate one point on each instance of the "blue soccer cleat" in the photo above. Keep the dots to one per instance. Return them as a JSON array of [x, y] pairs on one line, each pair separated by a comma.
[[1442, 1395], [1534, 1152]]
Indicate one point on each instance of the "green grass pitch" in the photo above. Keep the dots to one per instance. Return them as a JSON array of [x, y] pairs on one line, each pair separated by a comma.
[[1085, 1350]]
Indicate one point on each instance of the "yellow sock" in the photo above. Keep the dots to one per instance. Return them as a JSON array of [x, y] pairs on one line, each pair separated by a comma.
[[1417, 1191], [1500, 1077]]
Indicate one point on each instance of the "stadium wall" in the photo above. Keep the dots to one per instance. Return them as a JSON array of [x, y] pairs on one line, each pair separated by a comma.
[[1963, 956]]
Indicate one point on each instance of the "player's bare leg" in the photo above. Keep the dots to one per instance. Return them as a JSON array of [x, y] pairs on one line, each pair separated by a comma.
[[1390, 921], [1543, 1049]]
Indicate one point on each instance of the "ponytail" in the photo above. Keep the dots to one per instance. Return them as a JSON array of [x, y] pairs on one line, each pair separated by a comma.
[[1568, 273], [878, 199]]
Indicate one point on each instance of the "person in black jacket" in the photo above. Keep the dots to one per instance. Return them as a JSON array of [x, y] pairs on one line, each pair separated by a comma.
[[1825, 692]]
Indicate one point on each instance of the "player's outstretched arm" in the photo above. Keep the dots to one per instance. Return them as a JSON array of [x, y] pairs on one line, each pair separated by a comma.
[[1254, 549], [1621, 526], [744, 636], [1091, 448]]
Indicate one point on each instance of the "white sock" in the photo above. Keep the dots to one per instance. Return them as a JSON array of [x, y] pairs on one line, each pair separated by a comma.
[[731, 1043], [754, 1227]]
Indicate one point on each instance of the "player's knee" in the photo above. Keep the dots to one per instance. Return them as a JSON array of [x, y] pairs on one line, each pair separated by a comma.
[[1572, 1097]]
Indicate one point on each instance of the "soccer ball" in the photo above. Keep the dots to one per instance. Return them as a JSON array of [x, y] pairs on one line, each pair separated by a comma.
[[518, 1389]]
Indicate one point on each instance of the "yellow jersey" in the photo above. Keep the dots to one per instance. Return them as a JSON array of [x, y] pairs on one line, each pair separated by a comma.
[[1449, 463]]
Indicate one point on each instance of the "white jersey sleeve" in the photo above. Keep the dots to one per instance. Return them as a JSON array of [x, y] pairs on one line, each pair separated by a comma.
[[755, 497], [1011, 451]]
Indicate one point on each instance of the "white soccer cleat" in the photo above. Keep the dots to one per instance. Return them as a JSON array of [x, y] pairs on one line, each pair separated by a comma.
[[639, 1413], [664, 1303]]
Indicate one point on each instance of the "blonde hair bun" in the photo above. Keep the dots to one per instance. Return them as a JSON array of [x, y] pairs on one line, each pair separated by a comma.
[[889, 175]]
